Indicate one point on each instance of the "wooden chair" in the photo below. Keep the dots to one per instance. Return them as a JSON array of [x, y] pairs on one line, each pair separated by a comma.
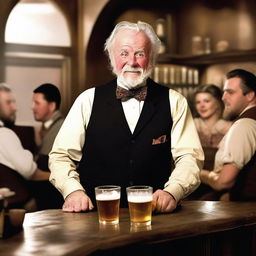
[[15, 182], [26, 135]]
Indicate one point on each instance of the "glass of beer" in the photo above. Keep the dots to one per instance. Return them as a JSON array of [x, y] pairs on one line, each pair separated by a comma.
[[108, 202], [140, 205]]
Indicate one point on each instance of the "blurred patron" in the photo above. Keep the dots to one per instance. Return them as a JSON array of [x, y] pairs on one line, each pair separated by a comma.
[[209, 123], [235, 162], [25, 133], [211, 127], [45, 106], [16, 163]]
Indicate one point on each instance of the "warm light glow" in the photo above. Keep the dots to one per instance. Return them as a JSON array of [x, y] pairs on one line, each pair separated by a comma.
[[208, 206], [38, 23], [35, 8], [245, 30]]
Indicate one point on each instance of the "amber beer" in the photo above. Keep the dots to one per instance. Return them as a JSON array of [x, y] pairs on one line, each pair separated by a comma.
[[108, 203], [140, 205]]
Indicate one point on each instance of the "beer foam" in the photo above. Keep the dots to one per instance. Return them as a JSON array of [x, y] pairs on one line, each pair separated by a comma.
[[109, 196], [139, 199]]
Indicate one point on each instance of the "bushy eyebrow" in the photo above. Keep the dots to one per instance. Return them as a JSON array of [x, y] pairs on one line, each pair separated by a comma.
[[228, 90], [139, 50]]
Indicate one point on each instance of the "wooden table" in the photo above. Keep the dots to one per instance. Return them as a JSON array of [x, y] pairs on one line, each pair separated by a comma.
[[196, 228]]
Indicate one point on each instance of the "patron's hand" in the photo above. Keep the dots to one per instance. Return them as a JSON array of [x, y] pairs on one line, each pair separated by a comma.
[[204, 176], [163, 201], [77, 201]]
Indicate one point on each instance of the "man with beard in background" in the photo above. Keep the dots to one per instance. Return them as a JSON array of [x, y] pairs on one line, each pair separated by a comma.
[[8, 106], [17, 166], [130, 131], [8, 111], [235, 161]]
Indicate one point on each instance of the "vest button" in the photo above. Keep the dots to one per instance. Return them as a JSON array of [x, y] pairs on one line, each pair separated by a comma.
[[131, 183], [132, 141], [131, 161]]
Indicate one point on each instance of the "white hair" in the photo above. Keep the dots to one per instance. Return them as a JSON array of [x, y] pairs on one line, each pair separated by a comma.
[[4, 87], [139, 27]]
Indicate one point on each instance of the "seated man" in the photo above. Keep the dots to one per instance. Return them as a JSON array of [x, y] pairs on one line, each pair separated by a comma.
[[16, 164], [235, 161], [26, 134]]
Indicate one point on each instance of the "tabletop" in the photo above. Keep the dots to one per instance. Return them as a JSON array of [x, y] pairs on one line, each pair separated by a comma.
[[74, 234]]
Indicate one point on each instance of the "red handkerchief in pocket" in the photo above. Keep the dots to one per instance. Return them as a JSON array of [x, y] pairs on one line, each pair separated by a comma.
[[159, 140]]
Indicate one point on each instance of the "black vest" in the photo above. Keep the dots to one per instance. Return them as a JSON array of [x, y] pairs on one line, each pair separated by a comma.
[[245, 186], [113, 155]]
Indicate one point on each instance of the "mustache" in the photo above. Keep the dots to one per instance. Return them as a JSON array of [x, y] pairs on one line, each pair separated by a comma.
[[131, 69]]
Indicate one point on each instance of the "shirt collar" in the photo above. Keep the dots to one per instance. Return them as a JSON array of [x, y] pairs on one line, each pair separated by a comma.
[[248, 107], [49, 122]]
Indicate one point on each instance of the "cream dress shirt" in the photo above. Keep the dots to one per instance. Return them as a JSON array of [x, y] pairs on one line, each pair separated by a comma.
[[186, 148]]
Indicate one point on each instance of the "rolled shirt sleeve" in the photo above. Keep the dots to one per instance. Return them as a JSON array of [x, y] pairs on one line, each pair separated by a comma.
[[238, 145]]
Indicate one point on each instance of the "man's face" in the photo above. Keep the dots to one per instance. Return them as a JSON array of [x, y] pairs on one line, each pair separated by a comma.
[[131, 52], [42, 109], [7, 108], [234, 99]]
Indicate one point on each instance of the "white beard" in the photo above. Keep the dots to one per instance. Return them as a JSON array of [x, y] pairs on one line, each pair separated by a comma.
[[131, 83]]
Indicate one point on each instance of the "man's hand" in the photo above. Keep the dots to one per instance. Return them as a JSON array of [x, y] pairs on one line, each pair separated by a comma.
[[204, 176], [77, 201], [163, 201], [40, 175]]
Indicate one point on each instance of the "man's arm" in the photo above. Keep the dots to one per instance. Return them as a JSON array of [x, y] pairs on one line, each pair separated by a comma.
[[235, 151], [40, 175], [186, 150], [67, 151], [225, 180], [14, 155]]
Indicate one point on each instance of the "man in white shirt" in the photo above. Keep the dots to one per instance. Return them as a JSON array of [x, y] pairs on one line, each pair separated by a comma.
[[128, 131], [12, 154], [16, 163], [235, 160]]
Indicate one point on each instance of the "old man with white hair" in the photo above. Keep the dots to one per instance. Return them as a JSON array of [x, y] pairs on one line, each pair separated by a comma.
[[130, 131]]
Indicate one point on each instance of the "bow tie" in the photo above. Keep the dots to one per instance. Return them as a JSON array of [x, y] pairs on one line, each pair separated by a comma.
[[138, 94]]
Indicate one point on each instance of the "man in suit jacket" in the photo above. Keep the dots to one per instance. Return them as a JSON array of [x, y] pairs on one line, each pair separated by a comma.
[[127, 132], [45, 106]]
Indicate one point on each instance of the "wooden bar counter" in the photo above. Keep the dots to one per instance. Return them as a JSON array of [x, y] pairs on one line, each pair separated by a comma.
[[195, 228]]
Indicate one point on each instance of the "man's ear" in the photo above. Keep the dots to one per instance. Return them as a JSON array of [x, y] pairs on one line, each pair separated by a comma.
[[251, 96], [52, 106]]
